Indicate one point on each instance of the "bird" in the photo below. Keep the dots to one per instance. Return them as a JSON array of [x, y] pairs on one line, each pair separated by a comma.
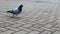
[[16, 11]]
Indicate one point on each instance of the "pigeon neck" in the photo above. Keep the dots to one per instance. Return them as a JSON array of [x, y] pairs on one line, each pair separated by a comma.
[[20, 8]]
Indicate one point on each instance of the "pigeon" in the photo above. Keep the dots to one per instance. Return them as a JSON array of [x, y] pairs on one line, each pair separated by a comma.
[[16, 11]]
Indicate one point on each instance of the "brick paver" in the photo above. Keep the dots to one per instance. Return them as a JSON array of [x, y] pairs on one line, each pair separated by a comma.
[[37, 17]]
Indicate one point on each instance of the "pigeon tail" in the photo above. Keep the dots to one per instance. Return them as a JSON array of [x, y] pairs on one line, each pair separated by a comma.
[[9, 12], [12, 12]]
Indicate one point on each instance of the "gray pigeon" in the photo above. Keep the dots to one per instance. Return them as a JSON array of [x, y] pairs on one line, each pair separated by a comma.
[[16, 11]]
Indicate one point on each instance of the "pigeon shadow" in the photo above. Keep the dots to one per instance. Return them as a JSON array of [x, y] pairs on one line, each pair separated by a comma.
[[11, 18]]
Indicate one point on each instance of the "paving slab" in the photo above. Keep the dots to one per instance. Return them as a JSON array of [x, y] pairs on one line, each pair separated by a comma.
[[37, 17]]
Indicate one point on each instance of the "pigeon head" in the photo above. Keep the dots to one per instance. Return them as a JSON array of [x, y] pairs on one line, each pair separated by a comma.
[[21, 5]]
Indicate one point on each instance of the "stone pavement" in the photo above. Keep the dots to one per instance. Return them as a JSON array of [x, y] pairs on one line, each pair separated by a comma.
[[37, 17]]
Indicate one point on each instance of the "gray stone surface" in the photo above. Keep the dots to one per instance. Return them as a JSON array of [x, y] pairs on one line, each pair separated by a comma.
[[37, 17]]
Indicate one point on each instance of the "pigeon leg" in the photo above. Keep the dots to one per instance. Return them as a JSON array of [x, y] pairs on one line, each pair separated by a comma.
[[16, 15], [13, 15]]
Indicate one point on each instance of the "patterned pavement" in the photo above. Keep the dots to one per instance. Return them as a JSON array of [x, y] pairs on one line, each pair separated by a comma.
[[37, 17]]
